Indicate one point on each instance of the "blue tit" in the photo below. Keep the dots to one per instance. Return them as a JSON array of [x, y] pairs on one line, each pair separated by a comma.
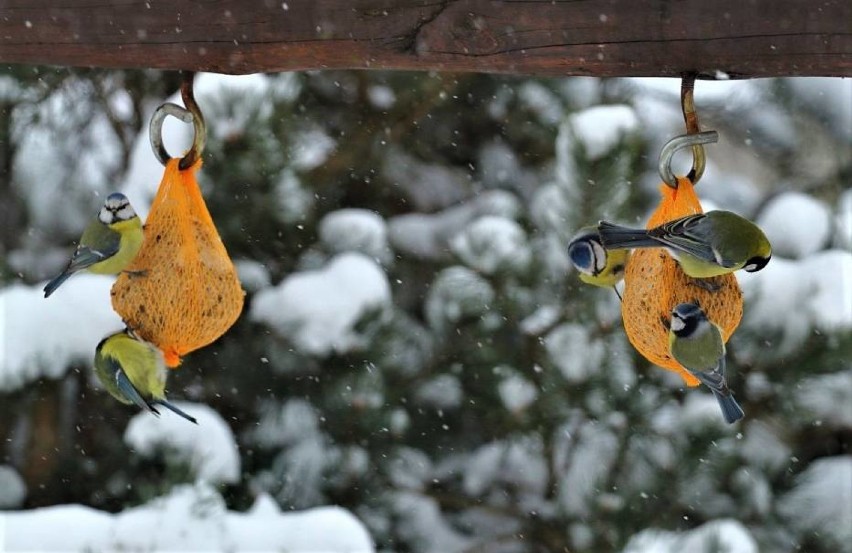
[[706, 245], [108, 244], [133, 372], [593, 262], [696, 343]]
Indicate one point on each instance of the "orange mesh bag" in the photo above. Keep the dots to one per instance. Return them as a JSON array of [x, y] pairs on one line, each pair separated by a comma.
[[654, 283], [186, 293]]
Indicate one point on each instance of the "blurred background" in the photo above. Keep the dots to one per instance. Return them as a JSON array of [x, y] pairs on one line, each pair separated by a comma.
[[415, 346]]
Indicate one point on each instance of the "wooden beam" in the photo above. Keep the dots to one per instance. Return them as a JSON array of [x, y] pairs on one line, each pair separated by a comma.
[[738, 38]]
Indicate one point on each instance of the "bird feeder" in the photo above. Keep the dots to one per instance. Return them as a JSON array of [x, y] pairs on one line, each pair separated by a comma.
[[181, 292]]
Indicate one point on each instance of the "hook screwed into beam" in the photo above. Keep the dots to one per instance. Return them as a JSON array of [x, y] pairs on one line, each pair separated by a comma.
[[693, 137]]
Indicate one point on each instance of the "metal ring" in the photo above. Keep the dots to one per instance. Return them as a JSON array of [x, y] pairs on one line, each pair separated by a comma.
[[190, 114], [698, 159], [155, 130]]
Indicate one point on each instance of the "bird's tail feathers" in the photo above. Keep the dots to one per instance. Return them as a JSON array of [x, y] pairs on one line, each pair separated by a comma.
[[51, 286], [616, 237], [175, 409], [731, 410]]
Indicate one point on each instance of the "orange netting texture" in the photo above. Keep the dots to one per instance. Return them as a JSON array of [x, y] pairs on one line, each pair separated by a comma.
[[654, 283], [185, 292]]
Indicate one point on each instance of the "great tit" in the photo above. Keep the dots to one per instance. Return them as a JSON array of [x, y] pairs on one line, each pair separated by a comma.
[[696, 343], [706, 245]]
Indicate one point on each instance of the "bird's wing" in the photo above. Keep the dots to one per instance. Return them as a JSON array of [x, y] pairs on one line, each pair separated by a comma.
[[130, 392], [98, 242], [85, 257], [715, 378], [683, 235]]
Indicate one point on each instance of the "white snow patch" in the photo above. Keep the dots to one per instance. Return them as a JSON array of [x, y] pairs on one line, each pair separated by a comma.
[[429, 186], [827, 398], [208, 447], [590, 459], [816, 289], [701, 409], [573, 350], [50, 334], [253, 275], [541, 101], [280, 426], [822, 499], [293, 200], [358, 230], [764, 447], [190, 518], [727, 535], [540, 320], [601, 128], [516, 392], [456, 293], [318, 310], [421, 522], [442, 392], [381, 96], [492, 244], [409, 468], [811, 231], [427, 236], [13, 491], [311, 148], [843, 221]]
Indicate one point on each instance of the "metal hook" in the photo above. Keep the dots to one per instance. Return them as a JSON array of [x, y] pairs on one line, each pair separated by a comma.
[[693, 130], [190, 114], [678, 143]]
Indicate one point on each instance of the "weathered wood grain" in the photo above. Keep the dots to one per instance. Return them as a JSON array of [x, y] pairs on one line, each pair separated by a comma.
[[740, 38]]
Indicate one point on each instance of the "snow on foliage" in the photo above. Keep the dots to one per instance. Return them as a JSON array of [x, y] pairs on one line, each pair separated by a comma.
[[13, 491], [457, 293], [573, 350], [821, 501], [429, 186], [319, 310], [492, 244], [253, 275], [208, 448], [843, 222], [287, 424], [189, 518], [592, 452], [78, 316], [725, 535], [427, 236], [356, 230], [599, 129], [796, 297], [516, 392], [827, 399], [813, 224], [293, 200], [422, 524]]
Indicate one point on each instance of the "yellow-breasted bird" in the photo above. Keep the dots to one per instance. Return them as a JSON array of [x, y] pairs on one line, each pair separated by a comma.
[[705, 245], [133, 372], [696, 343], [108, 244], [593, 262]]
